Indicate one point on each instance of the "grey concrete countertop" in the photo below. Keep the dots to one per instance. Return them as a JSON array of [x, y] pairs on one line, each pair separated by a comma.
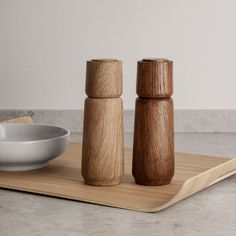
[[210, 212]]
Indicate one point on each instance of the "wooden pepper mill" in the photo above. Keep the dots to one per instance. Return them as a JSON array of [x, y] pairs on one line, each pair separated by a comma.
[[103, 144], [153, 147]]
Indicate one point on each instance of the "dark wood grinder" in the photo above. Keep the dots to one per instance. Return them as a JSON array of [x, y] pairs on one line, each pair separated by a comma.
[[153, 147]]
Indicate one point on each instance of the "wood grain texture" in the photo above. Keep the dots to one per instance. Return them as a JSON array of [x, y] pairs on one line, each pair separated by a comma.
[[103, 145], [23, 120], [62, 178], [104, 78], [154, 78], [153, 147]]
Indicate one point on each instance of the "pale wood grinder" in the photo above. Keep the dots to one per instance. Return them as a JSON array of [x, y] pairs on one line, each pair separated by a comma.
[[103, 145], [153, 147]]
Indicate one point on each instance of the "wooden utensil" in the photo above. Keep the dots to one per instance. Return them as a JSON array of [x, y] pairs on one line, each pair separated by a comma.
[[153, 146], [103, 147]]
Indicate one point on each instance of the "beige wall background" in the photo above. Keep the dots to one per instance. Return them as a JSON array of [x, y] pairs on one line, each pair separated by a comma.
[[44, 45]]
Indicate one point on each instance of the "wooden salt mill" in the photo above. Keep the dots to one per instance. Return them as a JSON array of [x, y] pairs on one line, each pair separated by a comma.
[[153, 147], [103, 147]]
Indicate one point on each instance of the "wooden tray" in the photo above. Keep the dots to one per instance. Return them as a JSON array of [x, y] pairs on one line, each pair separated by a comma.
[[62, 178]]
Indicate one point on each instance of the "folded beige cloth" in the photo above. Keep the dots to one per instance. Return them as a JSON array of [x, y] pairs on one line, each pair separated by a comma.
[[20, 120]]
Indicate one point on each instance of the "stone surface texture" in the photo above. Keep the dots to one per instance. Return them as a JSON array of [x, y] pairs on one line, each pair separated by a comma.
[[185, 120], [209, 212]]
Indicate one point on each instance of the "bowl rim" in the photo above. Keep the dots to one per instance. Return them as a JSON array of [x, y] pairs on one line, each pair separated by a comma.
[[38, 140]]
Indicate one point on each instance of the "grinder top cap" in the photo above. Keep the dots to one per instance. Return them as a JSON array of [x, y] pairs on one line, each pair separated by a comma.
[[154, 78], [104, 78]]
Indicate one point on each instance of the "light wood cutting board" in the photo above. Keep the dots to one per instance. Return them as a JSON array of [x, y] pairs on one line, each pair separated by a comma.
[[62, 178]]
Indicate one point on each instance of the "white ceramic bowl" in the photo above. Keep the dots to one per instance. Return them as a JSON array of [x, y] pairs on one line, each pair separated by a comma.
[[30, 146]]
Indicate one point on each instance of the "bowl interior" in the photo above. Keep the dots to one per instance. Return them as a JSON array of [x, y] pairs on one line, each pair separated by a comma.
[[29, 132]]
